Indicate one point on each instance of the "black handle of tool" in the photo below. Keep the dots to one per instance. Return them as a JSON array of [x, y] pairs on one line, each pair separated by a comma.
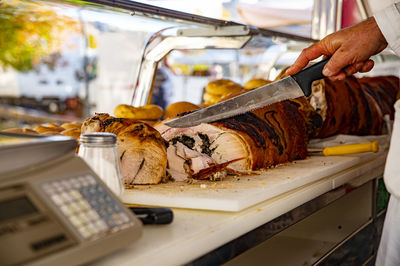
[[153, 215], [305, 77]]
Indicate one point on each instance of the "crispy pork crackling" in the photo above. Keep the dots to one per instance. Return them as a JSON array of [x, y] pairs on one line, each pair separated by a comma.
[[141, 148]]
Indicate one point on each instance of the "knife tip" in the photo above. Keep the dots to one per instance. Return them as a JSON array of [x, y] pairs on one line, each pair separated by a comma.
[[176, 124]]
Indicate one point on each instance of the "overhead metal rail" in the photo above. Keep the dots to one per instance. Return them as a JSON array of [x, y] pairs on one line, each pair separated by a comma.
[[199, 32], [165, 14]]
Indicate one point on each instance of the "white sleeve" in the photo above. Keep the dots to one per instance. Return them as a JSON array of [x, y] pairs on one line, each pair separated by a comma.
[[388, 21], [392, 167]]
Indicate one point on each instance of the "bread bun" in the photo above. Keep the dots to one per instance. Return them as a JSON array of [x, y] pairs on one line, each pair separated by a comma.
[[149, 122], [211, 99], [72, 125], [44, 129], [282, 74], [72, 132], [255, 83], [146, 112], [20, 130], [232, 95], [204, 105], [51, 133], [52, 125], [222, 87], [174, 109], [217, 89]]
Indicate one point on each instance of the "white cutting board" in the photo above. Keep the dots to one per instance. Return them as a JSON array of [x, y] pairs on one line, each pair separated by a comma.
[[238, 193]]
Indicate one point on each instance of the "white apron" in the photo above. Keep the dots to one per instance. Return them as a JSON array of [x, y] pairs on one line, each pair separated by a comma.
[[389, 248]]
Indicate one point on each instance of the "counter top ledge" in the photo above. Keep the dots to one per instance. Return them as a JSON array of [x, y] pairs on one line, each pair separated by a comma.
[[194, 233]]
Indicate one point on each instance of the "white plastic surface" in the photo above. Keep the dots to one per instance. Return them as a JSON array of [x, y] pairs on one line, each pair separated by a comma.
[[235, 194], [196, 232]]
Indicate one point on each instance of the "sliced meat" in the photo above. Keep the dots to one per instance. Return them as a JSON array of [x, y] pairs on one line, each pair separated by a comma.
[[141, 148], [268, 136]]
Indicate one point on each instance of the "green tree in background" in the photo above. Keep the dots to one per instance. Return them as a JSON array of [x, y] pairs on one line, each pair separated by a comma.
[[30, 31]]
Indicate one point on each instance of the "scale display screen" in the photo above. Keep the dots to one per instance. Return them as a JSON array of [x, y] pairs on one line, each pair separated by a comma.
[[13, 208]]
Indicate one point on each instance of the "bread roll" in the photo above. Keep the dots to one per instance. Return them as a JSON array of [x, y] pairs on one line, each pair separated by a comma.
[[222, 87], [51, 133], [43, 129], [232, 95], [217, 89], [20, 130], [72, 132], [282, 74], [52, 125], [211, 99], [255, 83], [149, 122], [72, 125], [174, 109], [204, 105], [146, 112]]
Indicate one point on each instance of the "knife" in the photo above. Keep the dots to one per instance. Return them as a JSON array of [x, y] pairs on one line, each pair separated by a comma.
[[287, 88], [153, 215], [345, 149]]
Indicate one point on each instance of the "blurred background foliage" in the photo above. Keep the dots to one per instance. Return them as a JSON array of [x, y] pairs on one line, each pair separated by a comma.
[[31, 33]]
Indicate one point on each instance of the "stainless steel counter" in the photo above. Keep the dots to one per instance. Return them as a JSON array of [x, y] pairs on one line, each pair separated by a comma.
[[211, 237]]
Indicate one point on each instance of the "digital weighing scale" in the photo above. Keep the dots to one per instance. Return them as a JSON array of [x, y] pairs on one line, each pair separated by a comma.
[[54, 210]]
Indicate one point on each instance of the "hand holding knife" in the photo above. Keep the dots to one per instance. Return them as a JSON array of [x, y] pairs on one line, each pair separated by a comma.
[[287, 88]]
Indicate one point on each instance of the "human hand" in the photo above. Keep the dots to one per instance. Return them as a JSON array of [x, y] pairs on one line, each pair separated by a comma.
[[350, 50]]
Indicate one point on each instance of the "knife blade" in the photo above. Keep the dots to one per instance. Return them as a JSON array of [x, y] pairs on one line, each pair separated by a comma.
[[287, 88]]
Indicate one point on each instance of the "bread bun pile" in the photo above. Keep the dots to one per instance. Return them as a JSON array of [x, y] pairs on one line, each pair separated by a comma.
[[218, 89], [174, 109], [20, 130], [72, 132], [49, 129], [71, 129]]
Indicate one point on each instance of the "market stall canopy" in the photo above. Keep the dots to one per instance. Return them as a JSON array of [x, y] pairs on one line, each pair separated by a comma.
[[268, 15]]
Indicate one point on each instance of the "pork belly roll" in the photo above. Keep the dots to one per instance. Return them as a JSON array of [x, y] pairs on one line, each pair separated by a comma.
[[353, 106], [313, 119], [141, 148], [265, 137], [384, 90]]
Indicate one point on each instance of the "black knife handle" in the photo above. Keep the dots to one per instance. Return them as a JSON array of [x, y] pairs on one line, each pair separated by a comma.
[[153, 215], [305, 77]]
